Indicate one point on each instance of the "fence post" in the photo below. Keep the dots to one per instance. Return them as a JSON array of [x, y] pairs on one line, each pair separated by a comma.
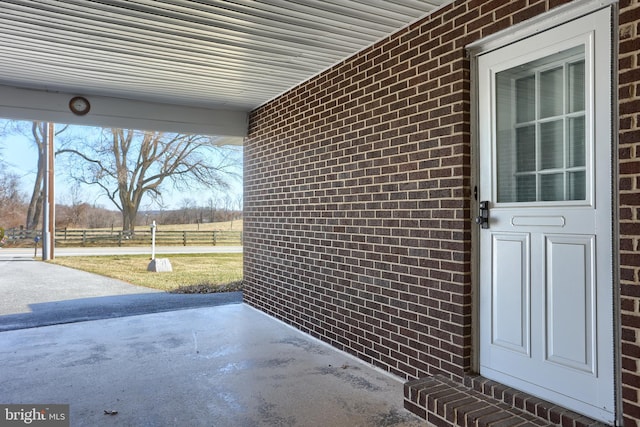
[[120, 238], [184, 238], [215, 238], [84, 237]]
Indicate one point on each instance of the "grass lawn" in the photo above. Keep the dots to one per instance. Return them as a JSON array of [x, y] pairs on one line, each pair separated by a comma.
[[192, 273]]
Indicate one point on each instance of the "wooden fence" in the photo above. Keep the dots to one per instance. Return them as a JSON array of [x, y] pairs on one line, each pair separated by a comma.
[[72, 238]]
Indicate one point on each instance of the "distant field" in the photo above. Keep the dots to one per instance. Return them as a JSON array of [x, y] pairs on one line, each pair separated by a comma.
[[236, 225], [213, 226]]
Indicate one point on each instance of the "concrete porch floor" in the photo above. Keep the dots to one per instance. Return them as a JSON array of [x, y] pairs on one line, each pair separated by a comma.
[[229, 365]]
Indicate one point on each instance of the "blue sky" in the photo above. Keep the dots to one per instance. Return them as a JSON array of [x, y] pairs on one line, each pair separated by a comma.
[[20, 156]]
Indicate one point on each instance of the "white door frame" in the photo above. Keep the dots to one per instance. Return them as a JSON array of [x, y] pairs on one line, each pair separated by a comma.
[[518, 32]]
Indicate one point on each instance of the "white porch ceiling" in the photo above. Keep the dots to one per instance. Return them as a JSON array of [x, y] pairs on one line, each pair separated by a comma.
[[213, 54]]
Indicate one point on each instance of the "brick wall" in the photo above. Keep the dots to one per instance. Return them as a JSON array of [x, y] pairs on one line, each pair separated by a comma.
[[357, 197], [629, 154]]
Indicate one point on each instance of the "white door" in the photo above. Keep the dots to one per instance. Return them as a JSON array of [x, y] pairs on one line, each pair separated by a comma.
[[546, 305]]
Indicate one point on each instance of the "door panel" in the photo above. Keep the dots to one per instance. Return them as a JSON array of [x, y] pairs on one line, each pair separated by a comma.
[[570, 283], [510, 309], [546, 290]]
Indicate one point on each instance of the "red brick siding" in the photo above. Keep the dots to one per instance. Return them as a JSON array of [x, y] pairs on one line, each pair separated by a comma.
[[357, 197], [629, 169]]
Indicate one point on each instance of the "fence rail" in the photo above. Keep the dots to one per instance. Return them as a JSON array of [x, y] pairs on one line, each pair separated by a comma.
[[64, 237]]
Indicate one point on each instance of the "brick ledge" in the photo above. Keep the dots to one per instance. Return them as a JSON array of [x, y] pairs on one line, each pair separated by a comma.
[[480, 402]]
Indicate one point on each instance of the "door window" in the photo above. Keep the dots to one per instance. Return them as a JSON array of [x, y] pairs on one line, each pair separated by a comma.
[[540, 130]]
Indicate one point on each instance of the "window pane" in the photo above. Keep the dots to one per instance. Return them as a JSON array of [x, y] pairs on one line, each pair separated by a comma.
[[576, 87], [506, 136], [526, 99], [551, 145], [576, 186], [526, 188], [552, 187], [526, 149], [551, 93], [576, 153]]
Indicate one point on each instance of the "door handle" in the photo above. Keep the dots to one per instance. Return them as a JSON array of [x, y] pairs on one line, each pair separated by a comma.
[[483, 219]]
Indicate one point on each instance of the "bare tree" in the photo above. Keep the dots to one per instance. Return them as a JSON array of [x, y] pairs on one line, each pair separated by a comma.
[[74, 211], [213, 206], [12, 200], [37, 132], [187, 208], [128, 165]]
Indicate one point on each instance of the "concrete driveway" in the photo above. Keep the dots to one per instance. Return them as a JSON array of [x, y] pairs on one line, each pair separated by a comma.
[[35, 293], [229, 365], [223, 364]]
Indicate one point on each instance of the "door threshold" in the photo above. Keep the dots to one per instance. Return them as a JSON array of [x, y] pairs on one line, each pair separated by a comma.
[[478, 401]]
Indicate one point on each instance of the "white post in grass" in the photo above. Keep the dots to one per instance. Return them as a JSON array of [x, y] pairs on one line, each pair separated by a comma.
[[160, 264], [153, 240]]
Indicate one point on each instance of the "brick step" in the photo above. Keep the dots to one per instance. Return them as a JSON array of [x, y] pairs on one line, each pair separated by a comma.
[[478, 402]]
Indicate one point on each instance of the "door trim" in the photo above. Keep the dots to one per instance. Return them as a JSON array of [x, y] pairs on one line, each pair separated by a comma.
[[538, 24], [543, 22]]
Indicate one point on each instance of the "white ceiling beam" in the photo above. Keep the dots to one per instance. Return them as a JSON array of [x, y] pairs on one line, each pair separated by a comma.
[[28, 104]]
